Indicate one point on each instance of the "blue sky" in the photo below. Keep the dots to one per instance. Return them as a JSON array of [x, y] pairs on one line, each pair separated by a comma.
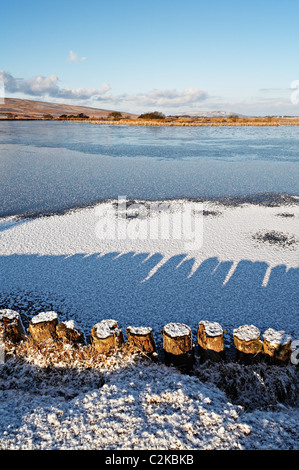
[[171, 56]]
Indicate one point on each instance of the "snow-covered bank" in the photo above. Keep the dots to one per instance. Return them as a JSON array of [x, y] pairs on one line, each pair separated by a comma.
[[140, 406], [245, 272]]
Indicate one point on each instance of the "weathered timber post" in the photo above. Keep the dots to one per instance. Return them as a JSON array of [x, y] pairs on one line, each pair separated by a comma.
[[277, 346], [11, 329], [247, 343], [42, 327], [210, 338], [69, 333], [141, 338], [106, 336], [177, 345]]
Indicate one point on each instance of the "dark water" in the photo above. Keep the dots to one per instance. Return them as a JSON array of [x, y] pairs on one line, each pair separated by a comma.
[[52, 166]]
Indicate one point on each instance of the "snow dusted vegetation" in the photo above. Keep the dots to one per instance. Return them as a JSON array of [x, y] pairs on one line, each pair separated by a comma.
[[63, 263]]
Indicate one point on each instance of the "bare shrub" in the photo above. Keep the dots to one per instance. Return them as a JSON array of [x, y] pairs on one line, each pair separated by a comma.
[[256, 386]]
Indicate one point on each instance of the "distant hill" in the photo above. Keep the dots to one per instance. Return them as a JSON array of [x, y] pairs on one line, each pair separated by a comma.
[[37, 109], [209, 114]]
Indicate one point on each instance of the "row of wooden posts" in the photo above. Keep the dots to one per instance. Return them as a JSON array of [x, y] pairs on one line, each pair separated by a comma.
[[178, 346]]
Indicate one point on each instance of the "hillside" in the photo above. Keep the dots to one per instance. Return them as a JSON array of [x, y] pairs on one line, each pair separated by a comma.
[[37, 109], [15, 108]]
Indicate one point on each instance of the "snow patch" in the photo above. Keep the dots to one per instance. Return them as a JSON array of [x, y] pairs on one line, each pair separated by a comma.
[[106, 328], [274, 337], [212, 328], [177, 329], [44, 317], [72, 325], [139, 330], [247, 332], [9, 314]]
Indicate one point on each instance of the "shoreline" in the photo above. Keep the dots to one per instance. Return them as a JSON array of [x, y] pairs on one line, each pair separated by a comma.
[[240, 276], [248, 249], [192, 122], [258, 199], [258, 123]]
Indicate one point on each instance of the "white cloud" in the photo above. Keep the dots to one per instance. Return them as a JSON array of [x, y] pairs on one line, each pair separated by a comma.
[[49, 86], [170, 98], [162, 99], [73, 57], [105, 88], [169, 101]]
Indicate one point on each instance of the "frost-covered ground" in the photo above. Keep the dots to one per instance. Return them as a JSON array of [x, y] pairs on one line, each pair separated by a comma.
[[245, 272], [140, 406]]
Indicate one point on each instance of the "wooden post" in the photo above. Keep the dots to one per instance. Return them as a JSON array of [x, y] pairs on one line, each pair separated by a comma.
[[106, 336], [177, 345], [141, 338], [69, 333], [277, 346], [42, 327], [210, 338], [247, 343], [11, 328]]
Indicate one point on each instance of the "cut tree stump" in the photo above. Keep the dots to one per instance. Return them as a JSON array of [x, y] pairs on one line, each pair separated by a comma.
[[42, 327], [106, 336], [277, 346], [11, 328], [141, 338], [177, 345], [247, 343], [210, 338], [69, 333]]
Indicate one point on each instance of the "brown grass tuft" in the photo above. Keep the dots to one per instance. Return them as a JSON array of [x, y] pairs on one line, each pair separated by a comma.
[[57, 354]]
